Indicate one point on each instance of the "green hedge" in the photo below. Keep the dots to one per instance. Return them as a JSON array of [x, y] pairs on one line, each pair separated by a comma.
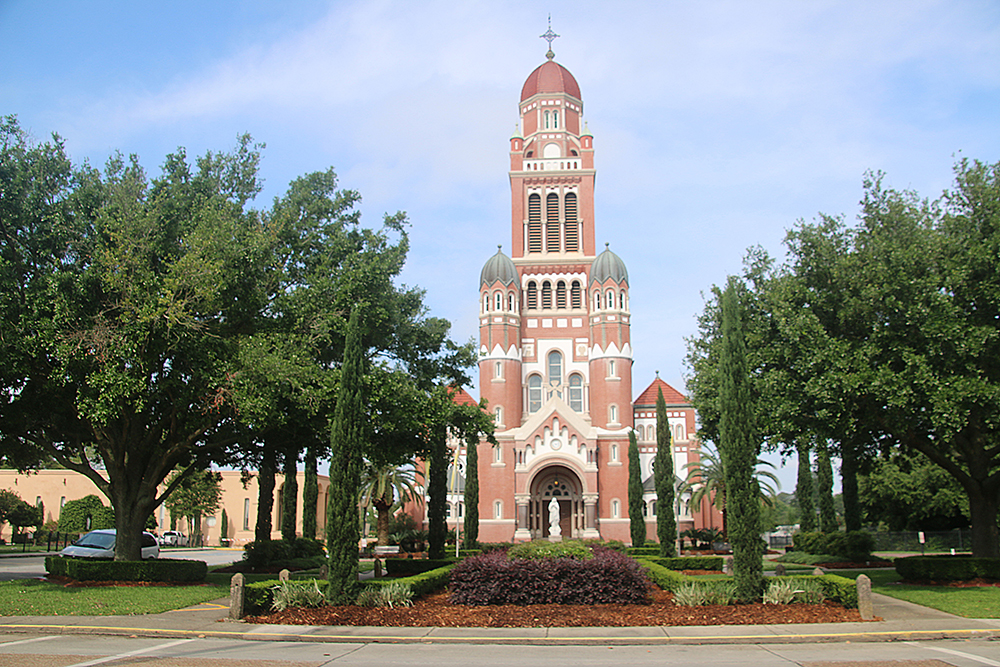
[[855, 546], [689, 562], [642, 551], [423, 583], [665, 578], [158, 569], [947, 568], [400, 567]]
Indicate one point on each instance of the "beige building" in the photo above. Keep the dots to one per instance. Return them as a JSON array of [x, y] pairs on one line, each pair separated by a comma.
[[54, 488]]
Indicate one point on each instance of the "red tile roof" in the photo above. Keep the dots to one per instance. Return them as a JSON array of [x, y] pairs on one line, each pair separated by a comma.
[[670, 395], [550, 77], [463, 397]]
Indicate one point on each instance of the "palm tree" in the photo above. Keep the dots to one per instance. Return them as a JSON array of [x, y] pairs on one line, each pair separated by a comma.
[[706, 478], [382, 488]]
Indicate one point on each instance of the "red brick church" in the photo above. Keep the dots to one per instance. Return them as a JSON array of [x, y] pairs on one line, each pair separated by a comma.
[[555, 357]]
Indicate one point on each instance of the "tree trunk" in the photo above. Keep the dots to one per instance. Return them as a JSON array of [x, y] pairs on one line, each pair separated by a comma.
[[824, 483], [849, 485], [470, 534], [383, 509], [437, 487], [984, 507], [265, 495]]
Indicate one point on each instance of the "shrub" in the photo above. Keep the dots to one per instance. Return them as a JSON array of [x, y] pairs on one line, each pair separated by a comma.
[[394, 594], [159, 569], [607, 577], [296, 593], [786, 591], [694, 593], [487, 547], [614, 545], [543, 549], [643, 551], [947, 568]]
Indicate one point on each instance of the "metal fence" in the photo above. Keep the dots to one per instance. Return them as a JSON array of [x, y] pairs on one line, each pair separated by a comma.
[[933, 541]]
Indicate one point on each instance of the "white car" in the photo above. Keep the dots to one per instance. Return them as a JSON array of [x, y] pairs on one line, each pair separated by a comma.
[[101, 544], [173, 538]]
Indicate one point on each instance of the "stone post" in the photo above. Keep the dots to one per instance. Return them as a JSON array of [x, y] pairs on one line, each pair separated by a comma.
[[236, 597], [779, 570], [378, 568], [284, 575], [865, 598], [727, 565]]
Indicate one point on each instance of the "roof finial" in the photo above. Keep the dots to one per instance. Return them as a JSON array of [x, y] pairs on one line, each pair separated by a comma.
[[548, 35], [657, 375]]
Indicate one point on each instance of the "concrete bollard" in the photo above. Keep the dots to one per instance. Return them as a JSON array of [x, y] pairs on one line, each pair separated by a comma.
[[779, 570], [324, 571], [284, 575], [727, 565], [818, 572], [378, 568], [865, 606], [237, 593]]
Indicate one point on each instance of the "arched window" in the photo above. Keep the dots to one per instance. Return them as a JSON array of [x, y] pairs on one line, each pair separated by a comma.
[[652, 432], [552, 240], [615, 509], [498, 369], [486, 303], [621, 301], [510, 302], [555, 119], [534, 223], [560, 294], [597, 300], [498, 415], [532, 295], [534, 393], [546, 295], [574, 294], [498, 301], [610, 299], [679, 432], [576, 393], [611, 368], [614, 452], [555, 366], [652, 508], [497, 509], [612, 414], [572, 233], [640, 433]]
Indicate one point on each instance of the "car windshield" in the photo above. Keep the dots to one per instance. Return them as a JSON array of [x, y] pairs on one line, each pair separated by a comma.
[[97, 541]]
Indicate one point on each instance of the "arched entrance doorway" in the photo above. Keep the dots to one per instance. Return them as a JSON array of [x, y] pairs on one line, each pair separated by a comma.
[[562, 484]]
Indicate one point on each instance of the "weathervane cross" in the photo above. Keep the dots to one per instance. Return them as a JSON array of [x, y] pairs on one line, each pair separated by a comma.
[[548, 36]]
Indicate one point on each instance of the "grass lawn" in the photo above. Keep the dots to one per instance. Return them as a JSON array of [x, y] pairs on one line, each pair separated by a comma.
[[979, 602], [32, 597]]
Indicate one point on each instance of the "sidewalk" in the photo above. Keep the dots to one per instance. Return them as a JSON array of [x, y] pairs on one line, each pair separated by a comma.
[[903, 621]]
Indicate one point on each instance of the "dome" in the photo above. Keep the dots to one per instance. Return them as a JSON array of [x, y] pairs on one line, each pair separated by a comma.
[[498, 267], [550, 77], [608, 265]]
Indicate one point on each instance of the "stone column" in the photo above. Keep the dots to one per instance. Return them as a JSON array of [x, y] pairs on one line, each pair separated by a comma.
[[236, 597], [523, 531], [865, 606], [590, 531]]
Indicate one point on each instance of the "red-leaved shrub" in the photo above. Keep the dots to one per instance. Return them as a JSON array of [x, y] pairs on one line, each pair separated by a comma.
[[493, 578]]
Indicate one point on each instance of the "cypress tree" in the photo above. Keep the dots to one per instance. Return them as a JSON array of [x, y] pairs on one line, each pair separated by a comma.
[[804, 488], [849, 485], [290, 495], [824, 484], [437, 490], [637, 522], [342, 531], [310, 495], [739, 449], [224, 529], [663, 479], [471, 525]]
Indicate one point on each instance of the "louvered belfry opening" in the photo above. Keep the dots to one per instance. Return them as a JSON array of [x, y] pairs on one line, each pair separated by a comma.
[[560, 294], [572, 226], [575, 295], [535, 223], [552, 240], [532, 295], [546, 295]]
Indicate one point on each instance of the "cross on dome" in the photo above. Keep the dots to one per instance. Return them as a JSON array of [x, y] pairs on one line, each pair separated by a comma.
[[549, 36]]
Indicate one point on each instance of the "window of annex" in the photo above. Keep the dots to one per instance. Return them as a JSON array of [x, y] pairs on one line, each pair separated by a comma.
[[534, 393], [576, 392], [555, 367]]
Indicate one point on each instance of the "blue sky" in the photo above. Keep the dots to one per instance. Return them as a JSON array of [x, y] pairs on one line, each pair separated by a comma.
[[717, 125]]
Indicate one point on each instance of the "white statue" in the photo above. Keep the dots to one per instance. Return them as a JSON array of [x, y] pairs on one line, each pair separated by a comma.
[[554, 529]]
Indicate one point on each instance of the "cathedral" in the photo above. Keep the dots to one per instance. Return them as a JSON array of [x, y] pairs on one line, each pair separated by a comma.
[[555, 356]]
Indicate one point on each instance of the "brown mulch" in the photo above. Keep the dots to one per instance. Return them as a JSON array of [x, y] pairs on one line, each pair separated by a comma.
[[435, 611]]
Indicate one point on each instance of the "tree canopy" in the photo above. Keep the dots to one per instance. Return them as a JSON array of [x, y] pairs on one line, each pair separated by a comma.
[[883, 335]]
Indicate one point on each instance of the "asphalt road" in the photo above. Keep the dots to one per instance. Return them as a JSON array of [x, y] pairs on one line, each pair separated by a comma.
[[33, 567], [85, 651]]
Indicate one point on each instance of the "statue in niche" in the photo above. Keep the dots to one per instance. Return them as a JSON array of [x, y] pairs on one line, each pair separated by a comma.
[[554, 529]]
